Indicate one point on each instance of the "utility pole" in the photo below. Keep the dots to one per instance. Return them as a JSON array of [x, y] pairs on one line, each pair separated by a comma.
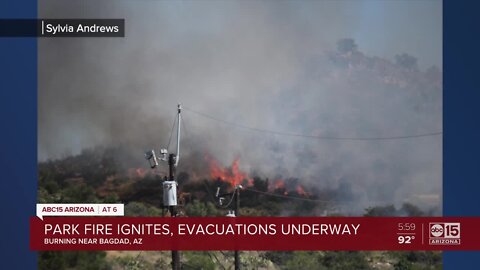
[[170, 184], [172, 208], [237, 214]]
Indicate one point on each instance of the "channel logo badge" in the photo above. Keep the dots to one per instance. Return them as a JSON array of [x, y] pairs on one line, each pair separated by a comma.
[[442, 233]]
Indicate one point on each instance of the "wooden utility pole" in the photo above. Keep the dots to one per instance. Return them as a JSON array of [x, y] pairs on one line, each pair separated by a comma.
[[237, 214], [169, 185], [173, 211], [236, 209]]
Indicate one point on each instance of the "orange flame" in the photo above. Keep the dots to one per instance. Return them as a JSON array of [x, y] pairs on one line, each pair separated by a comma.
[[137, 172], [231, 174], [302, 191], [279, 184]]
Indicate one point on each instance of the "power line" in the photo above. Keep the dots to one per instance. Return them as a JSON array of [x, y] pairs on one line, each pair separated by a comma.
[[306, 199], [207, 188], [289, 197], [429, 134], [230, 202]]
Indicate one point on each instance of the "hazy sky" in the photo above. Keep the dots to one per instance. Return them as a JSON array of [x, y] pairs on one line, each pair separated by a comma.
[[381, 27], [385, 28]]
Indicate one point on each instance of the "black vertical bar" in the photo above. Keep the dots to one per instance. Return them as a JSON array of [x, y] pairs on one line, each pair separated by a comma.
[[171, 167], [173, 211], [175, 253], [237, 214]]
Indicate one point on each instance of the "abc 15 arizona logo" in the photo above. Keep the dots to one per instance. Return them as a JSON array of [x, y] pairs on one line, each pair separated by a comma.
[[442, 233]]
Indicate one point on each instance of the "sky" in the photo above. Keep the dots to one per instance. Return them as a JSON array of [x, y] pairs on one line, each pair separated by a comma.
[[381, 27]]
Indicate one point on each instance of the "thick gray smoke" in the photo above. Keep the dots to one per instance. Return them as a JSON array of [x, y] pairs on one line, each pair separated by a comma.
[[269, 65]]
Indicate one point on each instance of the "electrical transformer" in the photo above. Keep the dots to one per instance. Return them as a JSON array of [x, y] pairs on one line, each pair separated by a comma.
[[170, 193]]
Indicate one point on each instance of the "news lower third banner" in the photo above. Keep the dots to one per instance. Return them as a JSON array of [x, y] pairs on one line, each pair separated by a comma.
[[62, 28], [254, 233]]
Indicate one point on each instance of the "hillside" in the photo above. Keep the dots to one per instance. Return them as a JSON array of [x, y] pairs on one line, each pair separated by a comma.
[[96, 176]]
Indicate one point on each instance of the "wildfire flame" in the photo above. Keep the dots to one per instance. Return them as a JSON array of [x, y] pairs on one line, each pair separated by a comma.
[[279, 184], [231, 174], [234, 176], [302, 192], [137, 172]]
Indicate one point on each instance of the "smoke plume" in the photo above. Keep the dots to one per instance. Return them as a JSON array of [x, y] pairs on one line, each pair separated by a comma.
[[274, 66]]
